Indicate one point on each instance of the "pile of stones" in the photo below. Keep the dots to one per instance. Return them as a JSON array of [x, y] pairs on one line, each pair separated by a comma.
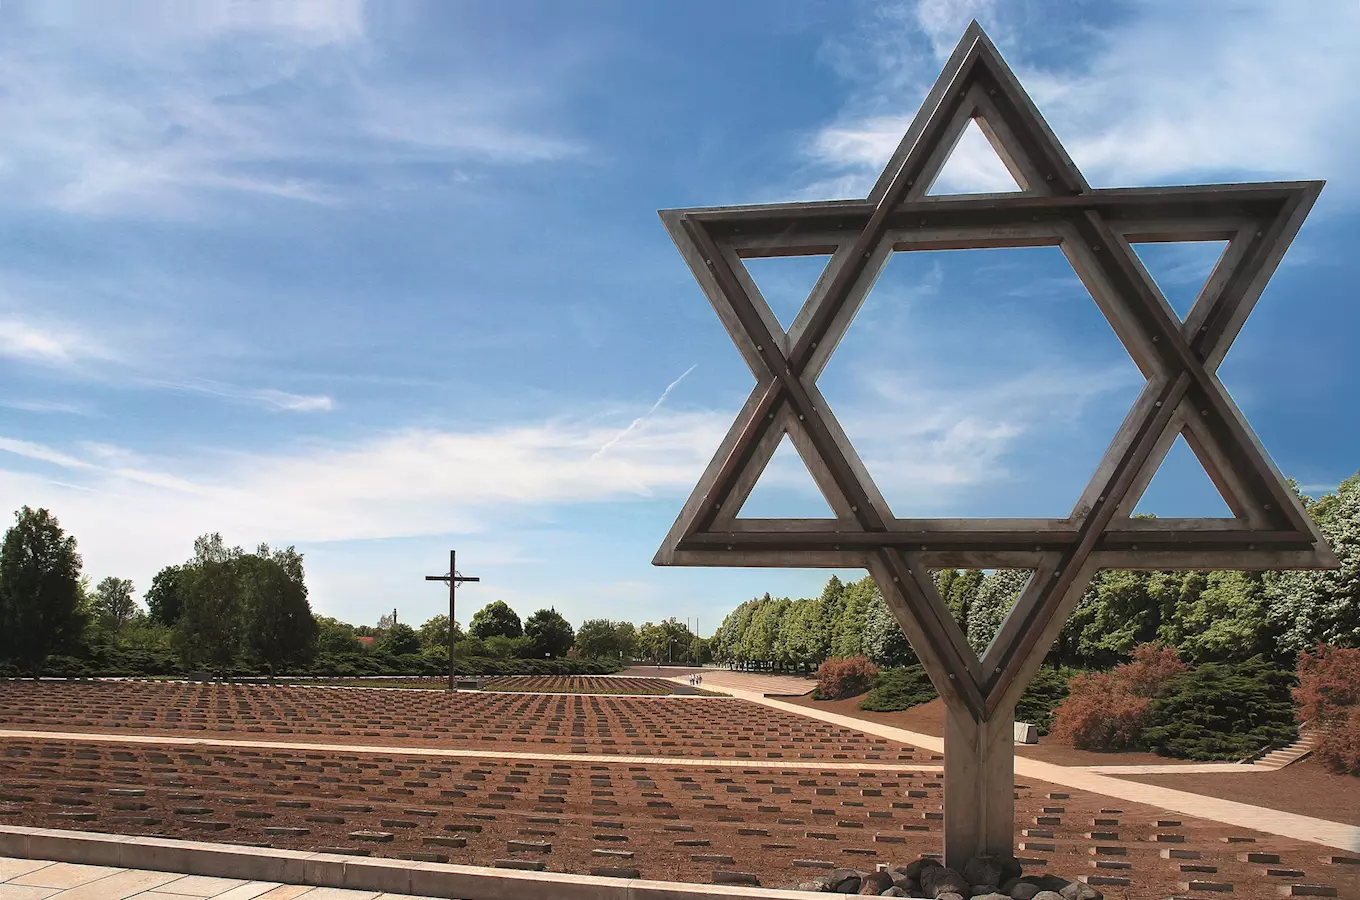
[[982, 878]]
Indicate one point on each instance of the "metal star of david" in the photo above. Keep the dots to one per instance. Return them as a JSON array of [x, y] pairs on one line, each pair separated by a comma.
[[1094, 228]]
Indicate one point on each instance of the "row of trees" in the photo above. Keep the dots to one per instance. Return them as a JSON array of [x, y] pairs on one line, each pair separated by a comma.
[[1206, 616], [225, 609]]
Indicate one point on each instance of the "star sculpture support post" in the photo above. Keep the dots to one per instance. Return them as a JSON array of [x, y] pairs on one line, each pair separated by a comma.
[[1095, 229]]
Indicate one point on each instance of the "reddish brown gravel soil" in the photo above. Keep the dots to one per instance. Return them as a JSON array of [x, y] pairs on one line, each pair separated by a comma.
[[627, 726], [582, 684], [547, 684], [1305, 788], [928, 718], [678, 823]]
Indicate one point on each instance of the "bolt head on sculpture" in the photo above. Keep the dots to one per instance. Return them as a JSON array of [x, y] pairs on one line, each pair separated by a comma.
[[1094, 228]]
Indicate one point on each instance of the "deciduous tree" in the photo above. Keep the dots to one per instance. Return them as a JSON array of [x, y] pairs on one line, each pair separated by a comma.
[[40, 591]]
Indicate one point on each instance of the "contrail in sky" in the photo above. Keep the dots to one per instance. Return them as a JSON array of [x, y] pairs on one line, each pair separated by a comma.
[[633, 425]]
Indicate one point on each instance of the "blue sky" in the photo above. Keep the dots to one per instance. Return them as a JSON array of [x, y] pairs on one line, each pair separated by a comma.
[[381, 280]]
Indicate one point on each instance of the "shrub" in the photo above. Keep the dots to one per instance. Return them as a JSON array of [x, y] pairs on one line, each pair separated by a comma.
[[1222, 711], [840, 678], [1339, 748], [898, 689], [1045, 692], [1328, 697], [1152, 667], [1100, 713], [1108, 711]]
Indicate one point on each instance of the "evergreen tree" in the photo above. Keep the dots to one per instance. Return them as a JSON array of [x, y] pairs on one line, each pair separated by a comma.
[[995, 597]]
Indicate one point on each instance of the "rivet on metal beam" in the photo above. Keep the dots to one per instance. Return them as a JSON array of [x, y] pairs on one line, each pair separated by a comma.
[[709, 263], [1155, 339], [800, 418], [1204, 412], [760, 347], [1133, 546], [1048, 178], [729, 546], [1159, 403], [951, 676], [1265, 506], [854, 509]]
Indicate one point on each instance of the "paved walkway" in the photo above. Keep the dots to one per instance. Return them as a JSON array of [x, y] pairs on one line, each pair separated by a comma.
[[707, 762], [37, 879], [1243, 815]]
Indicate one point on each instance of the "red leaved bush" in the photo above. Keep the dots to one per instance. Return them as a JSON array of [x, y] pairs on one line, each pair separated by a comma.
[[1152, 667], [1328, 697], [1108, 710], [841, 678], [1100, 713]]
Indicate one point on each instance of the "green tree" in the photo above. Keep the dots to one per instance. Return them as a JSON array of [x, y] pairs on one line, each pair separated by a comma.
[[113, 604], [399, 640], [995, 597], [549, 634], [626, 637], [493, 619], [278, 627], [165, 597], [40, 591], [336, 638], [959, 590], [597, 639], [1308, 608], [847, 632], [761, 638], [802, 635], [208, 631], [434, 634], [884, 641]]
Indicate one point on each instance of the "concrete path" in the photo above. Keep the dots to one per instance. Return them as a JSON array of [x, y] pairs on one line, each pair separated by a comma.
[[1229, 812], [36, 879], [458, 753]]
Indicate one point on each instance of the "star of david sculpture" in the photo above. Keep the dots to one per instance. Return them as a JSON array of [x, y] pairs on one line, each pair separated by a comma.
[[1094, 229]]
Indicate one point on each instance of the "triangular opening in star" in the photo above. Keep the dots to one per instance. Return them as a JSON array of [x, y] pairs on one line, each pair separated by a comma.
[[785, 489], [786, 282], [980, 383], [1180, 268], [1181, 489], [979, 600], [973, 167]]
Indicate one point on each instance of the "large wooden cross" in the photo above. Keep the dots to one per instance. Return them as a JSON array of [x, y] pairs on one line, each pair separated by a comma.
[[1095, 229], [453, 579]]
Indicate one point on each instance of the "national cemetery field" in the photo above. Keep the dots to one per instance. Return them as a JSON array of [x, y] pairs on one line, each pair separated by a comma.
[[689, 788]]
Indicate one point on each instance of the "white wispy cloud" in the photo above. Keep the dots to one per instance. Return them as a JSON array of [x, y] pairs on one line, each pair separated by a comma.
[[127, 111], [27, 341], [268, 398], [640, 420], [410, 483], [1170, 91]]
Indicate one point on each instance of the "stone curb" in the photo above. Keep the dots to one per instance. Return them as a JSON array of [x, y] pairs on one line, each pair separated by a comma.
[[393, 876]]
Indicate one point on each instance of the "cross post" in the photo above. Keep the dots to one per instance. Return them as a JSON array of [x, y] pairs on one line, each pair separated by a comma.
[[453, 579]]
